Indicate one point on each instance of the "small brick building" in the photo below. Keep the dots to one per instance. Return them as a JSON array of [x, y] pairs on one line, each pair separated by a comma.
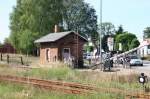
[[61, 46]]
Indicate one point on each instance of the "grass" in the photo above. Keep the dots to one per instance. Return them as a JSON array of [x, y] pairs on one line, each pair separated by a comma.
[[99, 79], [55, 73], [66, 74], [16, 91]]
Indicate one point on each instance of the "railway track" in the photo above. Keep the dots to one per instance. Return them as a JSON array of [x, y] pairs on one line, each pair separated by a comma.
[[141, 95], [72, 88]]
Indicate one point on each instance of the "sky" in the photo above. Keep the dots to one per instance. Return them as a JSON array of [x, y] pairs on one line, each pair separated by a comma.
[[133, 15], [6, 7]]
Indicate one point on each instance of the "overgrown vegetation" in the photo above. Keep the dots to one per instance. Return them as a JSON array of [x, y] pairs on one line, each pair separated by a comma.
[[98, 79], [126, 39], [146, 33], [95, 78], [15, 91]]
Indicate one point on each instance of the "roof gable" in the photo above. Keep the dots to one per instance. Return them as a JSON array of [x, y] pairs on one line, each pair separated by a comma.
[[52, 37]]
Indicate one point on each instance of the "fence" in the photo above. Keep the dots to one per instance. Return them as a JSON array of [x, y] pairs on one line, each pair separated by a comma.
[[11, 58]]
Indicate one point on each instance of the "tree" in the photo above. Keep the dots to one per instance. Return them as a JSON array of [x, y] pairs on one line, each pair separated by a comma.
[[108, 28], [6, 40], [26, 41], [120, 30], [135, 43], [79, 16], [104, 43], [40, 16], [147, 32], [125, 39]]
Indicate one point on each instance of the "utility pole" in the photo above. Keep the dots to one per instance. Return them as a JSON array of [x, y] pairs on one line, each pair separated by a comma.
[[77, 48], [100, 32]]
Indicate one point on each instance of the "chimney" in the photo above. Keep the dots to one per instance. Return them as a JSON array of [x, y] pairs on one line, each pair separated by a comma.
[[56, 29]]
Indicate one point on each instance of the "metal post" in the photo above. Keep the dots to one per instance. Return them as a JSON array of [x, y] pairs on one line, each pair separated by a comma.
[[100, 33]]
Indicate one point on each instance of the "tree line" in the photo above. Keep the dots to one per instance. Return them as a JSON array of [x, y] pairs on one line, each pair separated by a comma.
[[32, 19], [126, 39]]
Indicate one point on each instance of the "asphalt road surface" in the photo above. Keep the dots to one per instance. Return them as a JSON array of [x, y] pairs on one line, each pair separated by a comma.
[[143, 69]]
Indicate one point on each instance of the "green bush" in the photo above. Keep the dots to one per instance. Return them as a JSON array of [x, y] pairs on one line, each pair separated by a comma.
[[52, 73]]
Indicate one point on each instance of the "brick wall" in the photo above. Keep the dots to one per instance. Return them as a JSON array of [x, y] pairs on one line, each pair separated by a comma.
[[70, 41]]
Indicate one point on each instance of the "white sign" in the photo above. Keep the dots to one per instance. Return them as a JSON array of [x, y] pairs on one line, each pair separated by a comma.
[[120, 47], [110, 43]]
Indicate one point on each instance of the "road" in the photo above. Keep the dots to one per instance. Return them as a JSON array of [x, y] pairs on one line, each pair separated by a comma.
[[143, 69]]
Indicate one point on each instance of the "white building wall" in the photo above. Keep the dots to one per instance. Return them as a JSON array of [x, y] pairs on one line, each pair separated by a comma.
[[144, 51]]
